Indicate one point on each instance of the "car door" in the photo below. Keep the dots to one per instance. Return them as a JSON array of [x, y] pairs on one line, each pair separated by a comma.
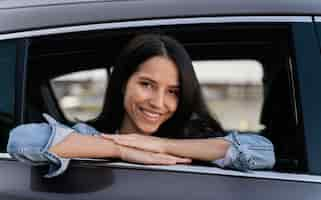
[[296, 173]]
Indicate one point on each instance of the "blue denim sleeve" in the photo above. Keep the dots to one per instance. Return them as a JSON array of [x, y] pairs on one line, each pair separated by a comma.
[[85, 129], [29, 143], [247, 152]]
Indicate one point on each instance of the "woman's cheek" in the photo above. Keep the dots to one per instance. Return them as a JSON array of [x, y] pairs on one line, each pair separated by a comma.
[[144, 92], [172, 103]]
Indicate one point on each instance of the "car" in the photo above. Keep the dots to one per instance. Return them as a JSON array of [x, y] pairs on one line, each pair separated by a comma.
[[42, 41]]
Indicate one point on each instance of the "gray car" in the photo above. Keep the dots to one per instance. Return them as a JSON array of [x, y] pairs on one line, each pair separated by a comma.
[[41, 40]]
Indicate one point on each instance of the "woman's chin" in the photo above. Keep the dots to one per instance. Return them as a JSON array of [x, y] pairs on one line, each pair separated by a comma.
[[148, 130]]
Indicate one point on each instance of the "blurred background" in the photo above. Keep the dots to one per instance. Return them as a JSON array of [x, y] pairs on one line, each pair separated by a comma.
[[232, 89]]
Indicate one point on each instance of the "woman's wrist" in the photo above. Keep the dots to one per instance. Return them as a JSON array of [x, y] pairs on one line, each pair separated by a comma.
[[117, 151], [166, 145]]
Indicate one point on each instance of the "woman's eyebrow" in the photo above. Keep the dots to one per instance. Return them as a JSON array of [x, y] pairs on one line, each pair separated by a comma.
[[175, 86]]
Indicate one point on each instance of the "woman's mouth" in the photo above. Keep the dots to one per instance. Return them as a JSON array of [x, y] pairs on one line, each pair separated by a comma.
[[150, 115]]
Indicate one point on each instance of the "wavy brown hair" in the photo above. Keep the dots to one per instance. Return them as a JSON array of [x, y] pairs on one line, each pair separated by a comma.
[[191, 119]]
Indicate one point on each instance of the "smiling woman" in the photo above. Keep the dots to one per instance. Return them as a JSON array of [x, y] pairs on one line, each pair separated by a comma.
[[151, 96], [156, 112]]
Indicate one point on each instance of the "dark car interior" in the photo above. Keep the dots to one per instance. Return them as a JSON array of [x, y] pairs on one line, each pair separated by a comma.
[[52, 56]]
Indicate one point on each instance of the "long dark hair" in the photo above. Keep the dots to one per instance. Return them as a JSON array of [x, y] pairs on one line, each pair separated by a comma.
[[191, 119]]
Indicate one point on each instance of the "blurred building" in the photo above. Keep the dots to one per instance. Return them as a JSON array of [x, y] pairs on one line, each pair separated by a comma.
[[232, 90]]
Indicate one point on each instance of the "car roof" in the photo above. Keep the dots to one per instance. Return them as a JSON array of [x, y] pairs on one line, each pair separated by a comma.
[[38, 14]]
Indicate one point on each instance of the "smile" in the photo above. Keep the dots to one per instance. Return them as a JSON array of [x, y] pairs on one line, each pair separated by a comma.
[[149, 115]]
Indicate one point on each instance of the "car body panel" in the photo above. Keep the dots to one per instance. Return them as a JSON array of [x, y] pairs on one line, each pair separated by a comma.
[[156, 22], [105, 180], [90, 179]]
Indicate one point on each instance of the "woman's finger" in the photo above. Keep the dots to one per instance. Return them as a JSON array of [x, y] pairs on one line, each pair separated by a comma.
[[184, 160], [167, 159], [158, 160], [175, 159], [147, 143], [108, 136], [130, 142], [179, 159], [121, 140]]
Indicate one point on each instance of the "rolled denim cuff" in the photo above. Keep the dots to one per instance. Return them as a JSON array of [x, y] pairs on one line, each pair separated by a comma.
[[30, 143], [247, 152], [58, 133]]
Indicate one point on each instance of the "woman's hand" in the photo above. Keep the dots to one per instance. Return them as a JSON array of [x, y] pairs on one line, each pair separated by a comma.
[[199, 149], [144, 157], [143, 142]]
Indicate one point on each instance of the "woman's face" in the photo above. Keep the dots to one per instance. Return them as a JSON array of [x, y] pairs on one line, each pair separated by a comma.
[[151, 96]]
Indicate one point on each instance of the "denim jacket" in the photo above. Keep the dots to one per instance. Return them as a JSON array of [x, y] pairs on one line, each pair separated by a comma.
[[29, 143]]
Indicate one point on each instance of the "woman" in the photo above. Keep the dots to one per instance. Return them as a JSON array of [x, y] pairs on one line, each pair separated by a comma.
[[155, 109]]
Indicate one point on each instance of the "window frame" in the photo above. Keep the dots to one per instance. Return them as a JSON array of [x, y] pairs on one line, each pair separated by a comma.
[[19, 78]]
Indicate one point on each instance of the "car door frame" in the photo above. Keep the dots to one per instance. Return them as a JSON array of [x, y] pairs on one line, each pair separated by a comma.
[[225, 181]]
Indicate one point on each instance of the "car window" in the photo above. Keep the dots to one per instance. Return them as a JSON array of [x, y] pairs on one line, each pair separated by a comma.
[[247, 75], [233, 91], [80, 95], [7, 88]]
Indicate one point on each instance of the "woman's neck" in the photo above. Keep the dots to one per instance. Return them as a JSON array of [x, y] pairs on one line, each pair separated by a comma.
[[126, 129]]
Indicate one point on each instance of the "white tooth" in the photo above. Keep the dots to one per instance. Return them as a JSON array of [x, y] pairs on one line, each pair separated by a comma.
[[153, 115]]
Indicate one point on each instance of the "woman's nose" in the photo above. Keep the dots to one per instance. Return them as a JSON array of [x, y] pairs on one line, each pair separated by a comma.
[[157, 100]]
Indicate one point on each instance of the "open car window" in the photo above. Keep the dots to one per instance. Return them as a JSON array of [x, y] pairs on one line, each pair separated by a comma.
[[246, 73]]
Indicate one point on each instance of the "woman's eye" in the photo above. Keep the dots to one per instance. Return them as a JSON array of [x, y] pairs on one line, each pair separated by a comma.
[[146, 84], [174, 92]]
